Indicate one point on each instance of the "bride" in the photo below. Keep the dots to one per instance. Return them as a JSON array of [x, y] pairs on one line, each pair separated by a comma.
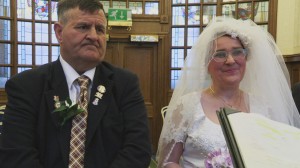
[[233, 64]]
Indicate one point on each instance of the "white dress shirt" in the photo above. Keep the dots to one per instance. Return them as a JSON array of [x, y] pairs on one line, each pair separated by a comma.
[[72, 75]]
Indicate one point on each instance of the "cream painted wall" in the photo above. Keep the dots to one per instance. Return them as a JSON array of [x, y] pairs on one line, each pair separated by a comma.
[[288, 26]]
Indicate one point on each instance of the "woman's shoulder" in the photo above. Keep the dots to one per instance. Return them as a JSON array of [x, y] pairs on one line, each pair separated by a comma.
[[190, 99], [190, 102], [192, 96]]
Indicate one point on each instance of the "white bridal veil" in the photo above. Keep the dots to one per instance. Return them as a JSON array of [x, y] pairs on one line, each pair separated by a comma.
[[266, 73]]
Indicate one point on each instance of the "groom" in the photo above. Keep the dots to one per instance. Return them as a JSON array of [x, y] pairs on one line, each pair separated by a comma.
[[114, 130]]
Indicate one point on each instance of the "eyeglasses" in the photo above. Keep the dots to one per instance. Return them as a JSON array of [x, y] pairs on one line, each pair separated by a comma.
[[238, 54]]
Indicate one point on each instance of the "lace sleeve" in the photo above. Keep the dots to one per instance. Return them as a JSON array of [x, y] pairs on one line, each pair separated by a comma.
[[174, 130]]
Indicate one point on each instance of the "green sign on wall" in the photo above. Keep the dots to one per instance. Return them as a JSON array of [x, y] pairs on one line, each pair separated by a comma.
[[117, 14], [119, 17]]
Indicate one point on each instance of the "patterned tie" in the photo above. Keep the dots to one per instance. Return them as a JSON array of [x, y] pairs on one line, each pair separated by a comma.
[[79, 124]]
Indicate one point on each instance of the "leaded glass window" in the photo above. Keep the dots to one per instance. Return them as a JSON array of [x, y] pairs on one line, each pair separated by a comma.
[[5, 42], [138, 7], [34, 43]]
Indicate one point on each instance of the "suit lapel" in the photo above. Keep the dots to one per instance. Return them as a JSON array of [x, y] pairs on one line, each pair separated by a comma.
[[60, 89], [98, 104]]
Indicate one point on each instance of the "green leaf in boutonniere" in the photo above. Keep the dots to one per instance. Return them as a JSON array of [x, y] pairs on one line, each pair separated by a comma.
[[65, 110]]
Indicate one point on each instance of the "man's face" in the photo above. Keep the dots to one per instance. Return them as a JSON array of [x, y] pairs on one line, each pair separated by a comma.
[[82, 38]]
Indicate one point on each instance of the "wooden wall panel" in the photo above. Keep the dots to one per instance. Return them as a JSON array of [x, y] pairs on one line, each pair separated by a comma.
[[3, 98], [294, 70], [109, 54], [295, 74], [140, 60], [293, 65]]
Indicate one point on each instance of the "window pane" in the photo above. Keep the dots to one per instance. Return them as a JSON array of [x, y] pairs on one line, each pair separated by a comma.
[[105, 5], [55, 53], [194, 1], [21, 69], [192, 35], [5, 54], [194, 15], [229, 0], [136, 7], [119, 4], [175, 74], [177, 36], [244, 11], [41, 32], [54, 39], [5, 8], [5, 29], [228, 10], [265, 27], [25, 54], [177, 58], [210, 1], [24, 10], [178, 15], [188, 51], [4, 75], [209, 12], [24, 31], [151, 8], [178, 1], [41, 55], [41, 10], [54, 11], [261, 11]]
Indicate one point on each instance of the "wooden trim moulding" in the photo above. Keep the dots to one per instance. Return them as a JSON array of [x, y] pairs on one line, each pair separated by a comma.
[[292, 58]]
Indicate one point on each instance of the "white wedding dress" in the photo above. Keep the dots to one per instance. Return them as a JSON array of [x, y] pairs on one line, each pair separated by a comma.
[[199, 134]]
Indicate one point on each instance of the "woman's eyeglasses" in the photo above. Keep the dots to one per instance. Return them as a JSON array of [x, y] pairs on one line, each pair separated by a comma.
[[237, 54]]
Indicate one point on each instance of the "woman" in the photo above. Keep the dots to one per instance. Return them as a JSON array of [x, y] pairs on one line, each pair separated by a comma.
[[233, 64]]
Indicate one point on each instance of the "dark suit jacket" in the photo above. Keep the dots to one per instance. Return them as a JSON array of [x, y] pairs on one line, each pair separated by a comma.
[[117, 131]]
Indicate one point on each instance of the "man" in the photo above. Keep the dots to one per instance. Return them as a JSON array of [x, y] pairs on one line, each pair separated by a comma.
[[115, 131]]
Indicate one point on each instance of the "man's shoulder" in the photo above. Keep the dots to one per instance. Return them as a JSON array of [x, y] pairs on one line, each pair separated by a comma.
[[36, 73]]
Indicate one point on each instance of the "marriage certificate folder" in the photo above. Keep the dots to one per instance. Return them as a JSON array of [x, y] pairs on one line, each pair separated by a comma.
[[255, 141]]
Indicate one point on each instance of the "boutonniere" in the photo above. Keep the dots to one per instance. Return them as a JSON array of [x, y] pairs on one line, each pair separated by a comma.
[[64, 110], [99, 94]]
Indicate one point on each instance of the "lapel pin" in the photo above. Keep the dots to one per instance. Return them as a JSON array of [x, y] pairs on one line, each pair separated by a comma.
[[101, 89], [98, 95], [96, 101], [56, 101]]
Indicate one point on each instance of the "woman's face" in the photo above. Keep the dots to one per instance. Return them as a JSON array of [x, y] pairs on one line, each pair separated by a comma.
[[231, 71]]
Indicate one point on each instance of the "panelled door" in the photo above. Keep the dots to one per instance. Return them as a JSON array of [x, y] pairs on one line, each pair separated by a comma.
[[140, 58]]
